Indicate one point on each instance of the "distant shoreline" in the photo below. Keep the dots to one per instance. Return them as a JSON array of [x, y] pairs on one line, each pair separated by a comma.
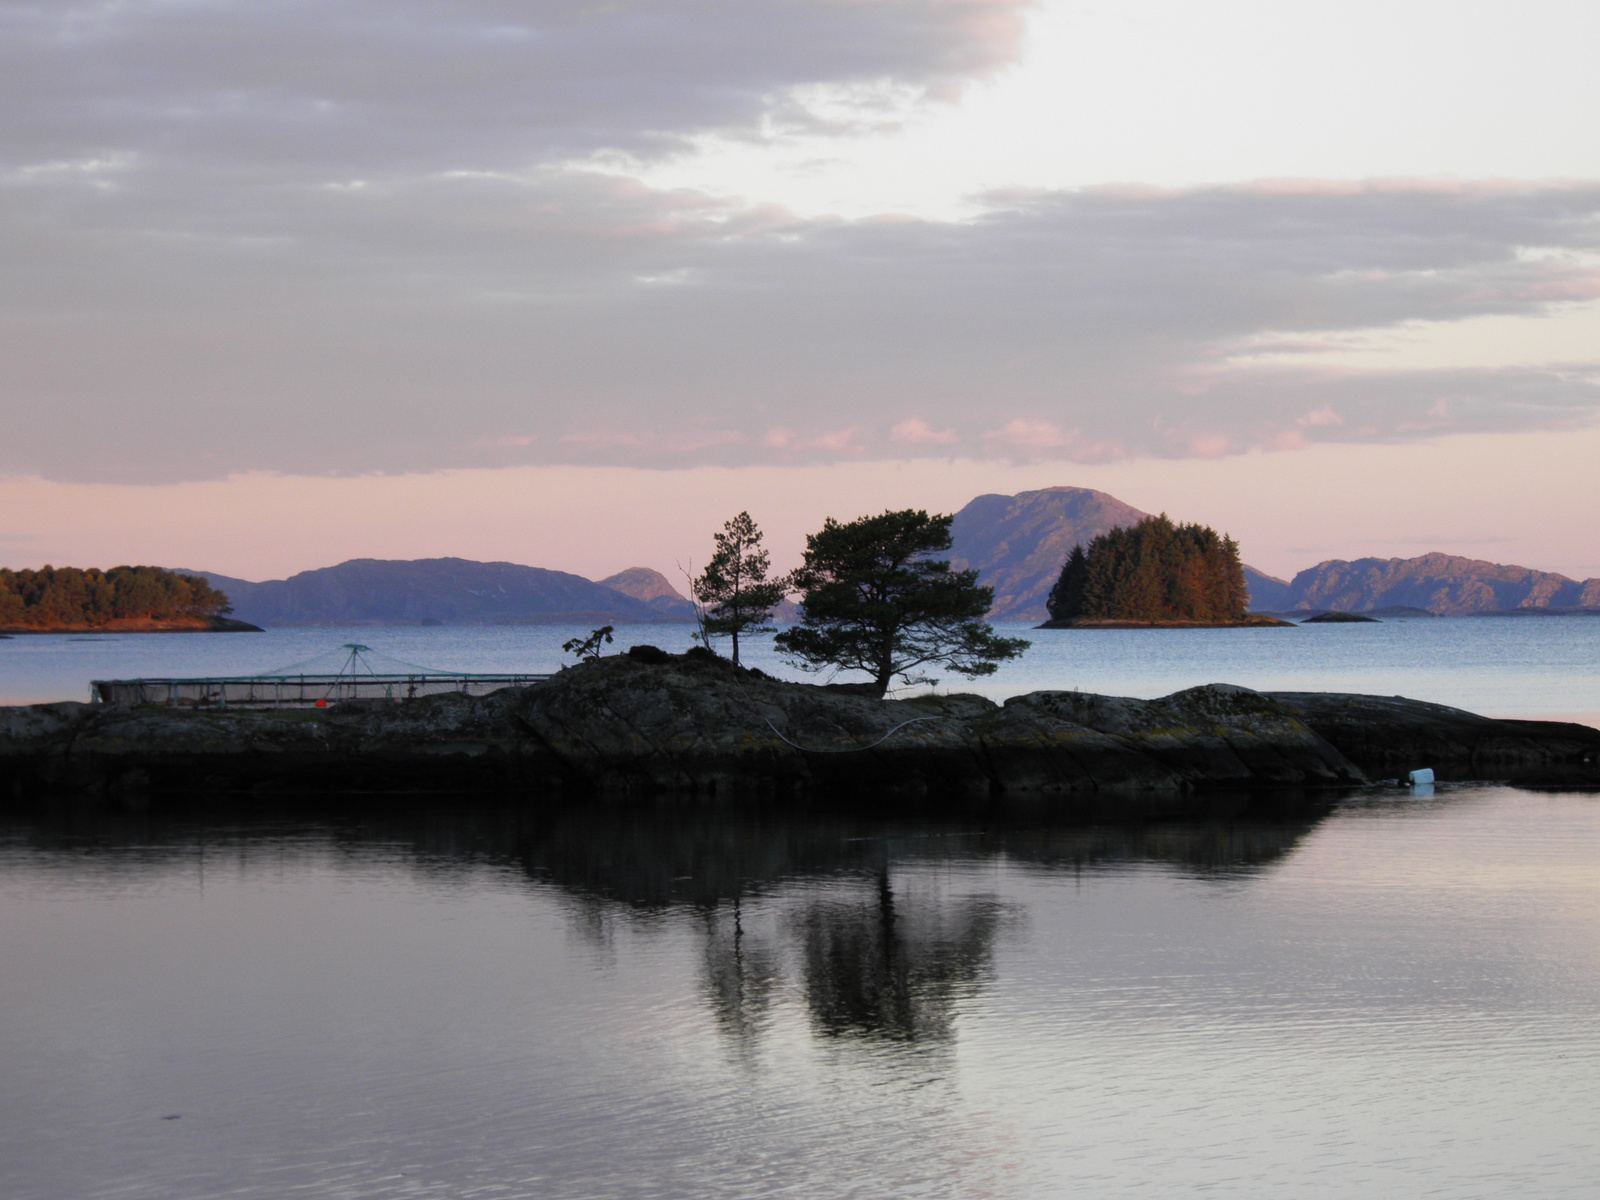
[[1252, 622], [141, 625]]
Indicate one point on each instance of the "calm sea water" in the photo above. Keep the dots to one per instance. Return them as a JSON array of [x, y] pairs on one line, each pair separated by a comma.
[[1395, 998], [1502, 666]]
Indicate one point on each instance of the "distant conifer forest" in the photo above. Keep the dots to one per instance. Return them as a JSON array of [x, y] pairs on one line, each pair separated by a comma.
[[79, 598], [1153, 571]]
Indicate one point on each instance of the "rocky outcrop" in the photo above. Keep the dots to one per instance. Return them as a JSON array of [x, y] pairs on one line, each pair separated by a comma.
[[232, 625], [691, 727], [698, 729], [1389, 736]]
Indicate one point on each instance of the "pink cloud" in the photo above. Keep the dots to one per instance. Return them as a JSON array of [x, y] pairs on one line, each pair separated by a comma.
[[1322, 416], [837, 439], [1043, 440], [918, 432], [601, 438], [703, 440], [1039, 435], [650, 441], [1287, 439]]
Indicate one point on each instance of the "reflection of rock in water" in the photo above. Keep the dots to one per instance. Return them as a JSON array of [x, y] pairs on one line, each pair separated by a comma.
[[1204, 850], [648, 859], [882, 968], [654, 860]]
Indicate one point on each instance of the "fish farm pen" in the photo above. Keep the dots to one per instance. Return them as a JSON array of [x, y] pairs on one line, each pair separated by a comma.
[[361, 674]]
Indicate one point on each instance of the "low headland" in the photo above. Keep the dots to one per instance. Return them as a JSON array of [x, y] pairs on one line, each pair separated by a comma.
[[653, 727], [1250, 621], [211, 624]]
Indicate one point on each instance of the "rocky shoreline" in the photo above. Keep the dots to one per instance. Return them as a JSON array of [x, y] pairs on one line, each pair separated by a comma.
[[213, 624], [1253, 621], [684, 728]]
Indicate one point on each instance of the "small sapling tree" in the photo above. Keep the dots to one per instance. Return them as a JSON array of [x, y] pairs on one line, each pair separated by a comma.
[[588, 647], [875, 600], [734, 589]]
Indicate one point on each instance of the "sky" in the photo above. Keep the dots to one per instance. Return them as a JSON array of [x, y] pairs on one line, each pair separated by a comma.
[[571, 282]]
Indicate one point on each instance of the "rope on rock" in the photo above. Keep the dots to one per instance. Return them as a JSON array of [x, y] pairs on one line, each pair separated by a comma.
[[847, 749], [830, 749]]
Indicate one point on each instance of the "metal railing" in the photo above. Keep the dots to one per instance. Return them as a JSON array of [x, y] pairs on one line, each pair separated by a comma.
[[296, 691]]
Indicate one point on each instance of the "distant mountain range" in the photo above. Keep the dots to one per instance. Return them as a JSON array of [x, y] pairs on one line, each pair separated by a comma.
[[450, 591], [1444, 584], [1017, 544]]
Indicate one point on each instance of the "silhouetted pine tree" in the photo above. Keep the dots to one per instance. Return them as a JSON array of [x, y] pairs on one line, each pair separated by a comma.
[[1067, 595]]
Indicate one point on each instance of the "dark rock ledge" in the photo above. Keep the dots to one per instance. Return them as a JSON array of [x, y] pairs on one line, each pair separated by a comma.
[[699, 729], [1388, 736]]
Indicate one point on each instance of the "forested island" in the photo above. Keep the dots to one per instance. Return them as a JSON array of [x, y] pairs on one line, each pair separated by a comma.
[[1153, 573], [121, 600]]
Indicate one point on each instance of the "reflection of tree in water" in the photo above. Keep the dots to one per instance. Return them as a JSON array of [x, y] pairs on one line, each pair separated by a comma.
[[742, 973], [888, 967], [872, 957], [869, 960]]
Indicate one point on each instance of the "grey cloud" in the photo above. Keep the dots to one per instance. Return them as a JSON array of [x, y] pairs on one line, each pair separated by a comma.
[[375, 87], [217, 299]]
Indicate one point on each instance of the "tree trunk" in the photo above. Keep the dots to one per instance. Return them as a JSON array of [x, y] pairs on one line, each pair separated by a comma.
[[736, 647]]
